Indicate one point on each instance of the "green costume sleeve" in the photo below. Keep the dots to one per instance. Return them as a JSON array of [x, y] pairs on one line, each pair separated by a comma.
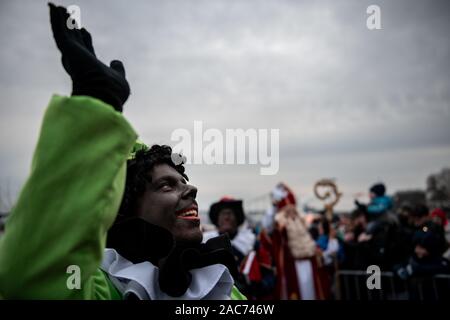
[[67, 204], [236, 294]]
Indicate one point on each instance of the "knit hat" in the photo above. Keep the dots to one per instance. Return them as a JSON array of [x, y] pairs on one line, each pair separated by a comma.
[[378, 189], [438, 212]]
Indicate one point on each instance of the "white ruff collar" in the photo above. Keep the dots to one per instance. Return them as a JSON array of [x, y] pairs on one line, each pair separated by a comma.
[[211, 282]]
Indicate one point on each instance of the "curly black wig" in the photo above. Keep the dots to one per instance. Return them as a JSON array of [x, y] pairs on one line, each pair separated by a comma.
[[138, 175]]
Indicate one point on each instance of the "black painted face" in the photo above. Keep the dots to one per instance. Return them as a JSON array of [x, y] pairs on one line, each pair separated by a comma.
[[169, 202], [227, 222]]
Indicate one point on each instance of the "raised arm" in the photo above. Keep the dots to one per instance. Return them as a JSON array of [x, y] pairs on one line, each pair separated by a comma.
[[74, 190]]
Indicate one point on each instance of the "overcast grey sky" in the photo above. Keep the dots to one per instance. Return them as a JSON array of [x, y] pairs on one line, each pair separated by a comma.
[[357, 105]]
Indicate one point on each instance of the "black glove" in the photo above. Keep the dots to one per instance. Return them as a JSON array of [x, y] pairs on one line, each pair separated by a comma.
[[360, 206], [90, 76], [174, 275]]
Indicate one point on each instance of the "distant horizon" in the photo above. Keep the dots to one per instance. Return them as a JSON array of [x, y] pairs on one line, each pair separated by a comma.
[[311, 201]]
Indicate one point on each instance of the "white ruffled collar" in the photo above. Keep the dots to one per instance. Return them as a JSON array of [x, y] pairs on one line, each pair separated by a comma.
[[210, 282]]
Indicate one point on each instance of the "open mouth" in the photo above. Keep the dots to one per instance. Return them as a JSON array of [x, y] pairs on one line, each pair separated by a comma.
[[190, 213]]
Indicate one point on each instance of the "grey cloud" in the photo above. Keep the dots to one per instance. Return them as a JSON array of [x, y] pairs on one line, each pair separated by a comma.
[[336, 90]]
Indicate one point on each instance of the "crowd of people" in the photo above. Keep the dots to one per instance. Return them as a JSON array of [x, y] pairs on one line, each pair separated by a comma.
[[295, 255]]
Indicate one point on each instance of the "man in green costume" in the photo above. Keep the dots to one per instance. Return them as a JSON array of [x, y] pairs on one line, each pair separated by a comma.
[[119, 213]]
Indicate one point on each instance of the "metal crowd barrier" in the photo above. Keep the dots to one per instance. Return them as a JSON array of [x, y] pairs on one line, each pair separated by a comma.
[[352, 285]]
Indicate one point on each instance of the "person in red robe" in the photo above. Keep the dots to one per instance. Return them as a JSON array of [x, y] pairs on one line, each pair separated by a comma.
[[299, 272]]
